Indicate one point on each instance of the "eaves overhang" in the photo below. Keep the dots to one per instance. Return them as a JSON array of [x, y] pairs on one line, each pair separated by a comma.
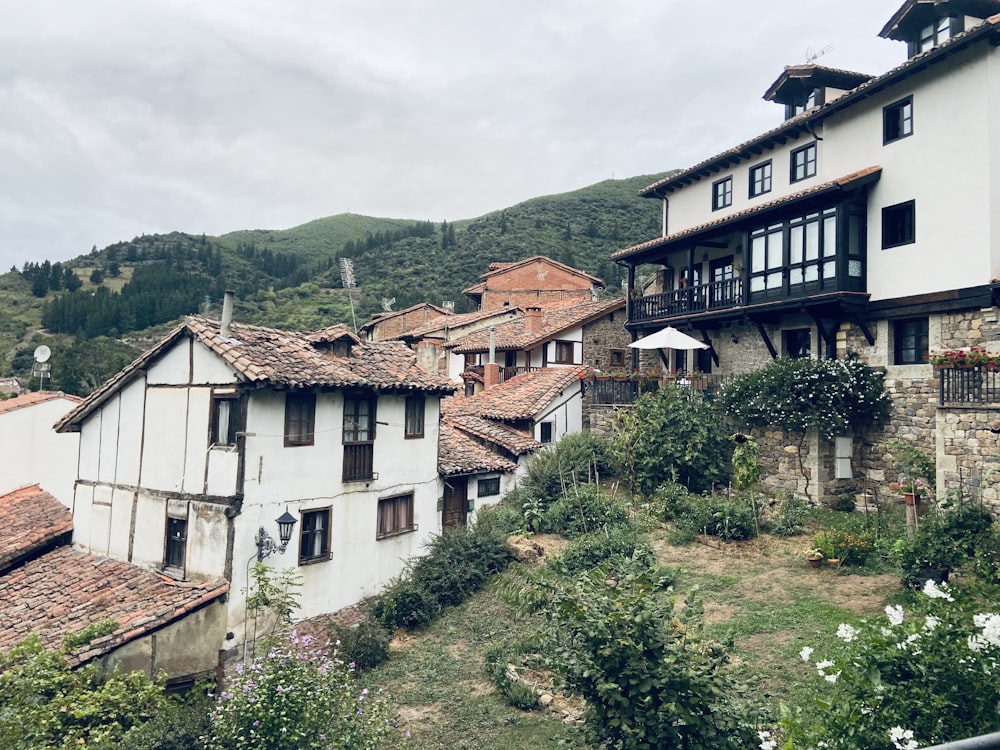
[[646, 251]]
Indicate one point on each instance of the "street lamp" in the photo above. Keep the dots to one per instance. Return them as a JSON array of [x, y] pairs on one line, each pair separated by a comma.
[[266, 545]]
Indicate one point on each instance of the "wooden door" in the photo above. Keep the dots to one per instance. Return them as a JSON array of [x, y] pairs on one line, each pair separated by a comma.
[[455, 508]]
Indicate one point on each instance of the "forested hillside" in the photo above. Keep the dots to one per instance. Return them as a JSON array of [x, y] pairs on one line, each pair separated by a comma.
[[99, 310]]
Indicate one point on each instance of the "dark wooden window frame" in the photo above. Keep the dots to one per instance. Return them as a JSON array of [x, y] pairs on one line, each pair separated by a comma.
[[897, 120], [232, 403], [414, 417], [899, 224], [910, 341], [309, 533], [175, 547], [562, 345], [300, 419], [617, 357], [760, 179], [359, 452], [543, 428], [394, 516], [722, 193], [794, 336], [488, 487], [803, 162]]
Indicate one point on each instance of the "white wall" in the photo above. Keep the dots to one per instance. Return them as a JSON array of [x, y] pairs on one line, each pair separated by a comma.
[[31, 452], [565, 412]]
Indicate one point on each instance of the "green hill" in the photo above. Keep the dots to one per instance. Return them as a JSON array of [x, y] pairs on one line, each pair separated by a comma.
[[130, 292]]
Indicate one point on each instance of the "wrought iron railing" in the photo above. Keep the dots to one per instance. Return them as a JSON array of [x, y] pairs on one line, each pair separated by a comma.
[[969, 385], [622, 391]]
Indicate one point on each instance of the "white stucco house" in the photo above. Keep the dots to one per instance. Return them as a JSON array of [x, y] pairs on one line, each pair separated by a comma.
[[867, 222], [31, 452], [218, 430]]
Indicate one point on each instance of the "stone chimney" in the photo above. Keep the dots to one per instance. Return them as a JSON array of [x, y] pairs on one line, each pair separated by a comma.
[[427, 357], [533, 319], [227, 312], [491, 370]]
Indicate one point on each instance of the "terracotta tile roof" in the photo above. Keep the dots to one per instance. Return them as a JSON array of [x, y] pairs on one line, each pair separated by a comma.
[[453, 321], [556, 319], [497, 268], [514, 441], [332, 333], [801, 123], [847, 181], [65, 590], [33, 397], [794, 78], [458, 453], [524, 396], [31, 521], [268, 357], [381, 317]]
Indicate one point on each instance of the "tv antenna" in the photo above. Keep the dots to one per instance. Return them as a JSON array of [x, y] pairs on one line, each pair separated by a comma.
[[812, 55], [387, 304], [449, 305], [349, 282], [42, 369]]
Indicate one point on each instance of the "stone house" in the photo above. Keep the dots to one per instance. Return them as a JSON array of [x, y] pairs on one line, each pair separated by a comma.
[[533, 281], [833, 235]]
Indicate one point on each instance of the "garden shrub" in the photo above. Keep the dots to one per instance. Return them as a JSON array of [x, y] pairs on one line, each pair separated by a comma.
[[674, 435], [790, 517], [911, 679], [500, 520], [648, 675], [670, 501], [849, 549], [578, 458], [405, 604], [517, 693], [730, 518], [593, 549], [582, 510], [364, 644], [945, 538], [297, 697], [178, 725], [44, 703], [832, 396]]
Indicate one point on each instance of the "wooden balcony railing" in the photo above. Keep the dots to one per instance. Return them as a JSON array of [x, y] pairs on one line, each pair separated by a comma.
[[717, 295], [358, 462], [505, 372]]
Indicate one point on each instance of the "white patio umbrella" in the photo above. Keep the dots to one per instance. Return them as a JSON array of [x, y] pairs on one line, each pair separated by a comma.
[[668, 338]]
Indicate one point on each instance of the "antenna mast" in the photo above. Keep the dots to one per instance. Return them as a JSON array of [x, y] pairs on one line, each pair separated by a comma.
[[347, 278], [42, 369]]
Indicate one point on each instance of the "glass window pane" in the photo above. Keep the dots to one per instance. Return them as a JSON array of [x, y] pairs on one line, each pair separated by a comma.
[[830, 236], [795, 244], [774, 280], [829, 269], [812, 273], [812, 239], [854, 269], [795, 276], [757, 284], [757, 248]]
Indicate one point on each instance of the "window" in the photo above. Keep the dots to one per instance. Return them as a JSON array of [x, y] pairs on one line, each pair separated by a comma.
[[760, 179], [935, 33], [314, 538], [225, 419], [803, 162], [797, 343], [812, 251], [395, 515], [617, 357], [564, 353], [414, 417], [176, 543], [899, 224], [359, 438], [897, 120], [489, 487], [766, 258], [300, 418], [910, 341], [545, 432], [722, 193]]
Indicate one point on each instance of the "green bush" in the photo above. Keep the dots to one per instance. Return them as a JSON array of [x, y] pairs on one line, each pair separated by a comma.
[[670, 501], [790, 517], [579, 458], [649, 677], [945, 538], [730, 518], [177, 726], [674, 435], [404, 604], [582, 510], [518, 694], [364, 644], [500, 520], [591, 550]]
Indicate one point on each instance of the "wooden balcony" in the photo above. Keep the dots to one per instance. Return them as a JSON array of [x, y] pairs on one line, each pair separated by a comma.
[[506, 373], [718, 295], [359, 462]]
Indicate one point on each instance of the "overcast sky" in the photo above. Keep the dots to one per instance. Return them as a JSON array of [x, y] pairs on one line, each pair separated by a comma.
[[119, 118]]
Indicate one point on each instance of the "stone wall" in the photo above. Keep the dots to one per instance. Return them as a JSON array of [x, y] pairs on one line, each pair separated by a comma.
[[968, 455], [603, 336]]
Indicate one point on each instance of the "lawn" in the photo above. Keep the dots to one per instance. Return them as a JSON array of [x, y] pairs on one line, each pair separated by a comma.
[[760, 593]]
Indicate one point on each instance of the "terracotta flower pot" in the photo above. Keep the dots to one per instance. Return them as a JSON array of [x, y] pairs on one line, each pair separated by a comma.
[[911, 498]]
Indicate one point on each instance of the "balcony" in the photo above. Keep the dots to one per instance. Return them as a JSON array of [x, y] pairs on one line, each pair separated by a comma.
[[718, 295], [969, 386], [358, 462], [506, 373]]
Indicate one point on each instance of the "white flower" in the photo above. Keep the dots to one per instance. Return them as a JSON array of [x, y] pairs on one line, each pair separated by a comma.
[[930, 623], [766, 743], [896, 734], [990, 625], [831, 677], [895, 614], [806, 652], [934, 591], [846, 633]]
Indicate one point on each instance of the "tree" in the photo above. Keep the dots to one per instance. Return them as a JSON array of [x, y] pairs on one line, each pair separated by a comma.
[[96, 276], [71, 282]]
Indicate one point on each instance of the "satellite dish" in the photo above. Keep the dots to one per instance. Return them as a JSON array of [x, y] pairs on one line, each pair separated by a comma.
[[42, 353]]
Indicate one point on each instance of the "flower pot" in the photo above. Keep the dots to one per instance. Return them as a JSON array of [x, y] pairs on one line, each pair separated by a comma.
[[911, 498], [815, 562]]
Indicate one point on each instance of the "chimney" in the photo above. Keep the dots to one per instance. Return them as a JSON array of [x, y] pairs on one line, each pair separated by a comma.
[[427, 357], [533, 319], [491, 370], [227, 312]]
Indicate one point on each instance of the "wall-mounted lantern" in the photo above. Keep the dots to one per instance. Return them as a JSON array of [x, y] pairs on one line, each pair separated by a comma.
[[266, 545]]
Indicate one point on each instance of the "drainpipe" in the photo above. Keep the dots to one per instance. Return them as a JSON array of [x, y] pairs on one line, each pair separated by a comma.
[[227, 313]]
